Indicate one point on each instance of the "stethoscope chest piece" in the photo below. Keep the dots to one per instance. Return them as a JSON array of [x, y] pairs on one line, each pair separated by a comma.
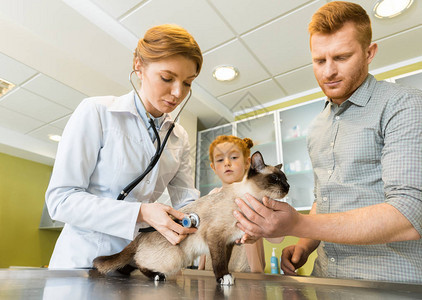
[[192, 220]]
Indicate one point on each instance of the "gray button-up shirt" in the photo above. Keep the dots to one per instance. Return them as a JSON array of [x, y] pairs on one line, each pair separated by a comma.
[[367, 151]]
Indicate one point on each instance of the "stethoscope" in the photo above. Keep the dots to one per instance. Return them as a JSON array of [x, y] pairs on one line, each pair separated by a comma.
[[160, 146]]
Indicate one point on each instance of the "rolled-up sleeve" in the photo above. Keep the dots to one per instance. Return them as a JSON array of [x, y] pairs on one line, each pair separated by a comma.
[[402, 157]]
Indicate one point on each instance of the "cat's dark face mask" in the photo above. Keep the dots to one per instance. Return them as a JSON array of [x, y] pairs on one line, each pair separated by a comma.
[[268, 177]]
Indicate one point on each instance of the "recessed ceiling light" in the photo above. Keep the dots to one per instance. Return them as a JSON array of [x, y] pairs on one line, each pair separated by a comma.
[[225, 73], [54, 137], [390, 8], [5, 86]]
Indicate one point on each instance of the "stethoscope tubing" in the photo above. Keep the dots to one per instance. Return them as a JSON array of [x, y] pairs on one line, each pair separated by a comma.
[[151, 164], [159, 148]]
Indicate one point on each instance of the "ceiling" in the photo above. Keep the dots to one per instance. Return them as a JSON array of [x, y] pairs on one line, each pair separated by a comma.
[[59, 52]]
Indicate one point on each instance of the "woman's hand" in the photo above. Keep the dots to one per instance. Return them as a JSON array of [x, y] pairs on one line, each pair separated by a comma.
[[158, 216]]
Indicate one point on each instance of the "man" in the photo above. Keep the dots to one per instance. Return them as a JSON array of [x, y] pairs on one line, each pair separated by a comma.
[[366, 152]]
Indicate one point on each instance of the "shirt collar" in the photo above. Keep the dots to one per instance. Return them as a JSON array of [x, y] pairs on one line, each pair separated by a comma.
[[161, 123], [362, 95]]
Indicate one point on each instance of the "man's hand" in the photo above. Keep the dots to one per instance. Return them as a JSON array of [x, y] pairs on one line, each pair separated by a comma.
[[293, 257], [267, 219]]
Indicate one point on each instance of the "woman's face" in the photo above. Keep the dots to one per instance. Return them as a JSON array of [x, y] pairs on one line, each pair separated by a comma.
[[165, 83]]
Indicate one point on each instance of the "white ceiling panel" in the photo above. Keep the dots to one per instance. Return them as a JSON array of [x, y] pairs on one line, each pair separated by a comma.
[[77, 46], [17, 122], [254, 96], [385, 27], [257, 12], [44, 132], [196, 16], [298, 80], [14, 71], [396, 49], [34, 106], [54, 91], [283, 45], [64, 51], [233, 53], [61, 123], [117, 8]]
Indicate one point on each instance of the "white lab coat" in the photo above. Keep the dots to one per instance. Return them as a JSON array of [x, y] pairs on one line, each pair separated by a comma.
[[104, 146]]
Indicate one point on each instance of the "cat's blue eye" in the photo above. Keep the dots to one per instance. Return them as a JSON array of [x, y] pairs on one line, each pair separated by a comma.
[[275, 178]]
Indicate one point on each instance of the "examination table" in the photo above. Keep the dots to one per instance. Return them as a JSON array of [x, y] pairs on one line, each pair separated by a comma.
[[21, 283]]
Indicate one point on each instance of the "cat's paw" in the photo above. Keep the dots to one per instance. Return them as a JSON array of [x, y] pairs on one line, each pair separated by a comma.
[[160, 277], [227, 279]]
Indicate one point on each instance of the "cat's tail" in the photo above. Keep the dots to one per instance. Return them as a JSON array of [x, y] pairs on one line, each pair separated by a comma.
[[109, 263]]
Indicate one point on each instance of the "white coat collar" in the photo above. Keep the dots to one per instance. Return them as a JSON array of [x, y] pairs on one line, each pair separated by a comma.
[[126, 103]]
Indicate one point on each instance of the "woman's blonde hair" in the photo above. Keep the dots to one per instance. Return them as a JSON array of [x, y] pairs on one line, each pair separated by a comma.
[[244, 144], [334, 15], [163, 41]]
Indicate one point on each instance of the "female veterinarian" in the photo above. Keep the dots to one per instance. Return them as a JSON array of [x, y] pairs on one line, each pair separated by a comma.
[[109, 141]]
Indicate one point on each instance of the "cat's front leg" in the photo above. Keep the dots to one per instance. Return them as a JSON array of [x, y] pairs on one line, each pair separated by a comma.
[[220, 256], [226, 280]]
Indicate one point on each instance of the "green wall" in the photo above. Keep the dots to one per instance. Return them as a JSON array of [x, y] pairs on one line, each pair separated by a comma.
[[305, 270], [22, 188]]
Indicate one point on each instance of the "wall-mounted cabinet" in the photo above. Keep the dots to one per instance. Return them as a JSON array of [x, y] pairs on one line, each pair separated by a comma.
[[294, 124], [281, 138], [263, 133], [413, 80]]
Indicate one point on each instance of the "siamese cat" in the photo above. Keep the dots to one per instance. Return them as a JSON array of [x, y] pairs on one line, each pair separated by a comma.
[[157, 258]]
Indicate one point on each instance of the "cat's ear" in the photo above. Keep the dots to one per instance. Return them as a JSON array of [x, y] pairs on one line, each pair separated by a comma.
[[279, 166], [257, 161]]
